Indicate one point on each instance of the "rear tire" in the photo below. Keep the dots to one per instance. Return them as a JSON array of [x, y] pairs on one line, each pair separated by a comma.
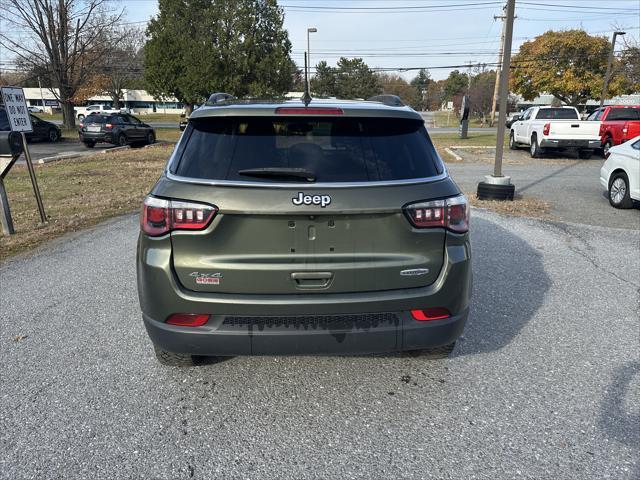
[[151, 138], [535, 150], [89, 144], [512, 142], [122, 140], [619, 196], [172, 359], [608, 143], [53, 135]]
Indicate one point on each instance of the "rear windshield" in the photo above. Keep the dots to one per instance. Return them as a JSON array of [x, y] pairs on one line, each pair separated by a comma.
[[95, 118], [557, 114], [339, 149], [624, 114]]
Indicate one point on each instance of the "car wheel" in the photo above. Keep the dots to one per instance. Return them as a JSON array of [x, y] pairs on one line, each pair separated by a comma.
[[535, 150], [173, 359], [512, 142], [619, 196], [89, 144], [608, 143], [80, 117], [585, 154], [54, 135], [151, 138], [122, 140]]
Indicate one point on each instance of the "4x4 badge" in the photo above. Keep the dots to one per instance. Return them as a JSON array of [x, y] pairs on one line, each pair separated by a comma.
[[302, 199]]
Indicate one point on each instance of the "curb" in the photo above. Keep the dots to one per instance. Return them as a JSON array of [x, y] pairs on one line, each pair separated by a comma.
[[453, 154], [63, 156]]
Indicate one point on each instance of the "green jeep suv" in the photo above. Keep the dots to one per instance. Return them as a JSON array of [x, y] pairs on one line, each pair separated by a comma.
[[286, 228]]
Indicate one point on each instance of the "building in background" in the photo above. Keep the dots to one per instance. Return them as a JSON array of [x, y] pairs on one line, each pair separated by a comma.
[[138, 101]]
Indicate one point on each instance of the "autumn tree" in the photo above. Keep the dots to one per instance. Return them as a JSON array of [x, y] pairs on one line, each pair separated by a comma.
[[196, 47], [64, 39], [481, 93], [396, 85], [628, 69], [569, 64]]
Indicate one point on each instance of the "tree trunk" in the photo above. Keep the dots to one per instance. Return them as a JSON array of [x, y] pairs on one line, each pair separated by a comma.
[[188, 108], [68, 117], [116, 102]]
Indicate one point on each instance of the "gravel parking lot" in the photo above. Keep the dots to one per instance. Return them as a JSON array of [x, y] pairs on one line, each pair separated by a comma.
[[571, 186], [544, 384]]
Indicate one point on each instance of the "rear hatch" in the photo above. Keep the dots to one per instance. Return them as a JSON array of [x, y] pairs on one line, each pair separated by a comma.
[[95, 123], [307, 204]]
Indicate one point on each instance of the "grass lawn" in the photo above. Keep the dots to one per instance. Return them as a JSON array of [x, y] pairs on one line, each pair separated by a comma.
[[79, 193], [449, 119]]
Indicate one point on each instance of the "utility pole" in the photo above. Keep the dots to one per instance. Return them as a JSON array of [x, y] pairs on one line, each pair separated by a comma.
[[497, 186], [608, 74], [500, 53]]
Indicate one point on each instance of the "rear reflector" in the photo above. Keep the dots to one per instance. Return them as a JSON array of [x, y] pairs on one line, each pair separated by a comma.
[[308, 111], [451, 213], [160, 216], [188, 319], [429, 314]]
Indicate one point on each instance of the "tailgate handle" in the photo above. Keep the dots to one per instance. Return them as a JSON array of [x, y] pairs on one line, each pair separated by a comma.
[[312, 280], [574, 125]]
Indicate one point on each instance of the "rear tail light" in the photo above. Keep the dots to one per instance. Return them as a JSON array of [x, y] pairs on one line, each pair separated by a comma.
[[625, 129], [428, 314], [188, 319], [451, 213], [160, 216], [545, 130], [108, 126], [81, 125], [308, 111]]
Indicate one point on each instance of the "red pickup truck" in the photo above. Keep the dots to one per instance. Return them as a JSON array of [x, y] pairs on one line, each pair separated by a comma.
[[619, 123]]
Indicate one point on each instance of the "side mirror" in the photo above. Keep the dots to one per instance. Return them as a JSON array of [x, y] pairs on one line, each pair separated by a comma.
[[10, 143]]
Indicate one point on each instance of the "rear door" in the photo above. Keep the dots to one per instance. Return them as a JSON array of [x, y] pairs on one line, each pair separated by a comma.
[[340, 233]]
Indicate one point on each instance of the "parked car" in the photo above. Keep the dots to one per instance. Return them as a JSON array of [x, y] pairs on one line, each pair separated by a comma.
[[620, 174], [116, 128], [83, 112], [618, 124], [512, 119], [35, 109], [42, 130], [557, 128], [279, 228]]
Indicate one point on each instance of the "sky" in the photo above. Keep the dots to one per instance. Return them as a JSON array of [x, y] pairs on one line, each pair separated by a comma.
[[437, 34]]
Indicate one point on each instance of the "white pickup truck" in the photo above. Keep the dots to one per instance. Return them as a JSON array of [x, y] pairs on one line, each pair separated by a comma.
[[82, 112], [559, 128]]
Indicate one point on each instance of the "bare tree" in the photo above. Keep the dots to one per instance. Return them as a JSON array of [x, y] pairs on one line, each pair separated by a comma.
[[124, 64], [66, 38]]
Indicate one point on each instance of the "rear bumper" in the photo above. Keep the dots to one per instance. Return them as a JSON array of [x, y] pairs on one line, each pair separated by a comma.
[[550, 143], [96, 137], [160, 296], [216, 338]]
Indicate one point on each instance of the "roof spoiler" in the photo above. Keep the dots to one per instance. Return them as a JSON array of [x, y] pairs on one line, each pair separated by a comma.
[[219, 97], [390, 100]]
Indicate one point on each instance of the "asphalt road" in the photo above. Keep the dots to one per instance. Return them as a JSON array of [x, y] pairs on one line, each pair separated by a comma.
[[571, 186], [544, 385], [39, 150]]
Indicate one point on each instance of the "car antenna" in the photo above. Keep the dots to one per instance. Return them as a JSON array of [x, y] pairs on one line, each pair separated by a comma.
[[306, 98]]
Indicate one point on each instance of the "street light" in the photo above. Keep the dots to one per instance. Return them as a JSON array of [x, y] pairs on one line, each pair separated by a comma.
[[608, 74], [309, 31]]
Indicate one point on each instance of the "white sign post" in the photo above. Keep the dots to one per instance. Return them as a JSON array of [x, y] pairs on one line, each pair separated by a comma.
[[18, 114]]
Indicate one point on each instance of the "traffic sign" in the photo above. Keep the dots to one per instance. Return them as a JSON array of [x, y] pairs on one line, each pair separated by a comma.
[[16, 107]]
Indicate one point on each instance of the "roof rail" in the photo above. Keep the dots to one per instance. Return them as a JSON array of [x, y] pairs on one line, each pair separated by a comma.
[[219, 97], [390, 100]]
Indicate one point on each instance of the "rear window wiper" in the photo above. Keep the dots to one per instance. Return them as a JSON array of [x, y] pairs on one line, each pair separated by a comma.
[[284, 173]]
